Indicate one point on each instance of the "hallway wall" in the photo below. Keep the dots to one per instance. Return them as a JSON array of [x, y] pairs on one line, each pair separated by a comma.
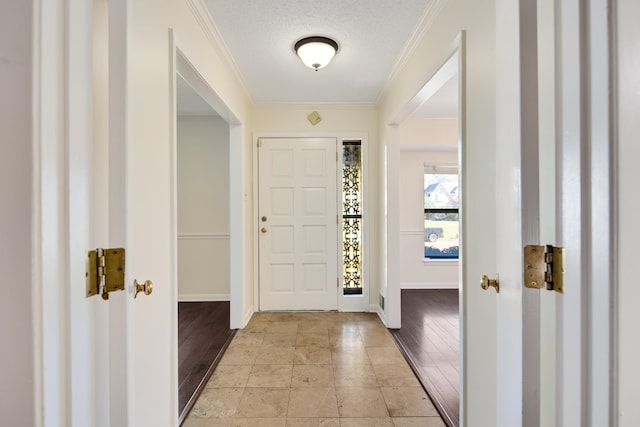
[[203, 208]]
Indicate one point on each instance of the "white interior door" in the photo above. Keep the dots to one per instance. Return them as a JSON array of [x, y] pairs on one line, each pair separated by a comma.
[[142, 331], [297, 224]]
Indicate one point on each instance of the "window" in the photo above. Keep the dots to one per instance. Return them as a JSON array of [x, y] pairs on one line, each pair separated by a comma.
[[352, 217], [441, 216]]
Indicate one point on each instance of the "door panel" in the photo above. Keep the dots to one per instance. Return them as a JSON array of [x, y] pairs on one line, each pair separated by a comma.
[[297, 224]]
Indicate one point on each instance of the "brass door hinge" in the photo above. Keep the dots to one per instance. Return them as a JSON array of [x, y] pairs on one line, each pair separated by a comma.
[[544, 267], [105, 271]]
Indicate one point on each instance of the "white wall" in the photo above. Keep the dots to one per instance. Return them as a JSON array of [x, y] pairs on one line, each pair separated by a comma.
[[417, 137], [18, 405], [292, 120], [203, 209]]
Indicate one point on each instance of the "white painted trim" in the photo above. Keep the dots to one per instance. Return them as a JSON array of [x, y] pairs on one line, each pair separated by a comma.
[[412, 232], [435, 261], [203, 236], [237, 232], [248, 314], [392, 309], [435, 148], [527, 75], [429, 285], [461, 44], [50, 258], [37, 197], [121, 312], [203, 116], [626, 108], [173, 196], [203, 18], [449, 68], [297, 106], [203, 297], [256, 214], [375, 308], [186, 70], [573, 212], [599, 177], [431, 15]]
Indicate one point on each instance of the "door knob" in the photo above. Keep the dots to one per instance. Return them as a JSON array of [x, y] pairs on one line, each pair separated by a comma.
[[264, 219], [264, 229], [146, 287], [485, 283]]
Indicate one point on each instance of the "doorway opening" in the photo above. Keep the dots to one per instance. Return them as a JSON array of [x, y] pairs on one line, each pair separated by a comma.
[[429, 193], [208, 295], [203, 241]]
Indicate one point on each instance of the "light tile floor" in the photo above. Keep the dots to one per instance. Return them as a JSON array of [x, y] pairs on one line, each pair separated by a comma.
[[307, 369]]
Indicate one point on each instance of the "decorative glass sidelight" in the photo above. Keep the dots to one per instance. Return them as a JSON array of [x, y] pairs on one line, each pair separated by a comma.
[[352, 217]]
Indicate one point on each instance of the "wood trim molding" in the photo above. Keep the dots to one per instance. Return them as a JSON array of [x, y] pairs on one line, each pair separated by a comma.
[[430, 16], [203, 236], [204, 19], [202, 297], [429, 285]]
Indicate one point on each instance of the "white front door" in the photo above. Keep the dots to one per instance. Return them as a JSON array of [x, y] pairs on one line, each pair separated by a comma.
[[297, 224]]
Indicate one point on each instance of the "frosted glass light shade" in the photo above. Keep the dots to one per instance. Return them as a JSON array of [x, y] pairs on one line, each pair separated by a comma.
[[316, 52]]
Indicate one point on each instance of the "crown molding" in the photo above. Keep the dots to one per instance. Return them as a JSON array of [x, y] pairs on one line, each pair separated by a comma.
[[430, 16], [428, 148], [315, 105], [205, 21]]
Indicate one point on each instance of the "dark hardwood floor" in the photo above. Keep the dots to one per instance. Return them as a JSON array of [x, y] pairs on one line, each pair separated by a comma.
[[429, 339], [203, 335]]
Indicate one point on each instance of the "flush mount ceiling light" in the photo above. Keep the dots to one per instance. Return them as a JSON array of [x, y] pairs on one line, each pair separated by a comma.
[[316, 51]]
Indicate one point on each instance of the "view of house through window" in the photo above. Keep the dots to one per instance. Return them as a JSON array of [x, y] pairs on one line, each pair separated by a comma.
[[352, 217], [441, 216]]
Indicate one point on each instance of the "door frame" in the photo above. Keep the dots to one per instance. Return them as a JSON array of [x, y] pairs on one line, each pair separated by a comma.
[[344, 303], [586, 338], [626, 130], [182, 65], [392, 311], [451, 66]]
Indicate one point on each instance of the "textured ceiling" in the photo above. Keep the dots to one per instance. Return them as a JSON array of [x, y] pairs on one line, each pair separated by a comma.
[[260, 35]]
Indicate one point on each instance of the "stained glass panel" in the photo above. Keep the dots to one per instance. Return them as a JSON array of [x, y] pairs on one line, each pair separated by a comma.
[[352, 217]]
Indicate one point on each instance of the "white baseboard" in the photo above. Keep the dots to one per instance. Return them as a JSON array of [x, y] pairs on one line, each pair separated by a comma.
[[429, 285], [202, 297], [248, 314], [375, 308]]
